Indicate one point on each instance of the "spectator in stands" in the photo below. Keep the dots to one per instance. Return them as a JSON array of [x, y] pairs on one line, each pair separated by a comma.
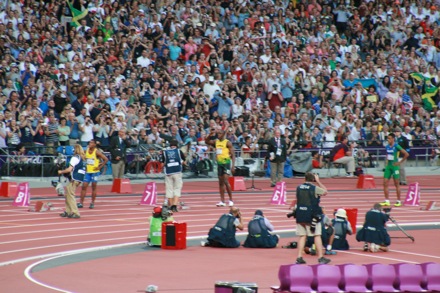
[[223, 232], [317, 160], [374, 232], [259, 235], [342, 154]]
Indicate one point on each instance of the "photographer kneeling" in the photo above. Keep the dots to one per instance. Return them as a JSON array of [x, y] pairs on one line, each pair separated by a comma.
[[259, 233], [308, 215], [223, 233], [374, 233]]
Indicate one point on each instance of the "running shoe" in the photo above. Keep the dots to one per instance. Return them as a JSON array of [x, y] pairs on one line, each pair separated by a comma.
[[300, 261], [385, 203], [79, 205], [398, 204], [231, 203], [92, 205], [221, 204], [323, 260]]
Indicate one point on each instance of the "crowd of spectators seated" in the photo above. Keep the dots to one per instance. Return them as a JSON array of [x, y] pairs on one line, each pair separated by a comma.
[[317, 70]]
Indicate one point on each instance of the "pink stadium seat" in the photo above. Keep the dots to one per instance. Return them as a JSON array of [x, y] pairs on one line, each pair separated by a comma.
[[355, 278], [329, 277], [432, 275], [301, 278], [410, 277], [383, 277], [284, 277]]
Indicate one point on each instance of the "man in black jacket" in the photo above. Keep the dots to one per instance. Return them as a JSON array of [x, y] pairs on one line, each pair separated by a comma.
[[118, 151], [277, 156]]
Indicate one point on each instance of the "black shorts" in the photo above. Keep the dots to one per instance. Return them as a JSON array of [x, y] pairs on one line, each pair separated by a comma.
[[223, 169]]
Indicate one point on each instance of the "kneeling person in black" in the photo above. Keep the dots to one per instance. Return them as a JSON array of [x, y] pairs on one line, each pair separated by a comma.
[[223, 233], [374, 233], [259, 233]]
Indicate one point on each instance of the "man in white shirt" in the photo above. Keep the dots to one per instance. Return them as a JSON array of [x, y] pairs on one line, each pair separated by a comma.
[[143, 60], [210, 88]]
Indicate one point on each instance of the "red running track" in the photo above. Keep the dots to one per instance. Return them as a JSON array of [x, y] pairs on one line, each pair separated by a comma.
[[26, 238]]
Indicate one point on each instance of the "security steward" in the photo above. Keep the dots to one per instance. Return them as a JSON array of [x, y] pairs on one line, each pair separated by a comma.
[[259, 233], [308, 215]]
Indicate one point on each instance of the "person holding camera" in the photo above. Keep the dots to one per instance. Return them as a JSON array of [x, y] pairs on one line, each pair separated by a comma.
[[308, 215], [277, 150], [77, 170], [374, 232], [223, 233], [259, 235], [392, 168], [275, 98], [173, 160]]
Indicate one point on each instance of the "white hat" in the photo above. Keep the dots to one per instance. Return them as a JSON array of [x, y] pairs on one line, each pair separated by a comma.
[[141, 11], [61, 66], [211, 78], [341, 213]]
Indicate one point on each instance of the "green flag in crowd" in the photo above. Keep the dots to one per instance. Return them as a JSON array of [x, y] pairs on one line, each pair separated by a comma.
[[77, 15]]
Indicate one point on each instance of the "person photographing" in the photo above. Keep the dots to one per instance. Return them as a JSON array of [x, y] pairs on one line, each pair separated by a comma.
[[374, 232], [308, 215]]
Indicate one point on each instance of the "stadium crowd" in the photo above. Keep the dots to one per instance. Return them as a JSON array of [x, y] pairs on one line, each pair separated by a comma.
[[315, 69]]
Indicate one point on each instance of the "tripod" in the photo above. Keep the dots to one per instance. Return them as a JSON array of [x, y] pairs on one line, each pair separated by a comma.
[[401, 229], [253, 184]]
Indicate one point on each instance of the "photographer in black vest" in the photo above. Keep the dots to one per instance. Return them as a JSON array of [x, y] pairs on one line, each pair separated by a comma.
[[173, 159], [374, 232], [308, 215], [259, 229], [223, 233]]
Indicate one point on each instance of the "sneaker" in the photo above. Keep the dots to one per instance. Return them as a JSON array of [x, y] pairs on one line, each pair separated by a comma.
[[330, 252], [74, 216], [64, 215], [403, 183], [92, 205], [204, 243], [221, 204], [385, 203], [79, 205], [398, 204], [174, 209], [300, 261], [365, 248], [349, 175], [323, 260], [231, 203]]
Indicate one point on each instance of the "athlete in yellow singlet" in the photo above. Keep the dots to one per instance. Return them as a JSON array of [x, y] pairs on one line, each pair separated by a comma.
[[225, 162], [95, 160]]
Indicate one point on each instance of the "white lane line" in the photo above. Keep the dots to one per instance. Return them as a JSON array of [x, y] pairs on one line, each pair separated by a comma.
[[378, 256]]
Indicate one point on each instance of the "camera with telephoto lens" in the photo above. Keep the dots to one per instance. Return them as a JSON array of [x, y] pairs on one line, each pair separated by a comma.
[[386, 210], [315, 220], [291, 214]]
